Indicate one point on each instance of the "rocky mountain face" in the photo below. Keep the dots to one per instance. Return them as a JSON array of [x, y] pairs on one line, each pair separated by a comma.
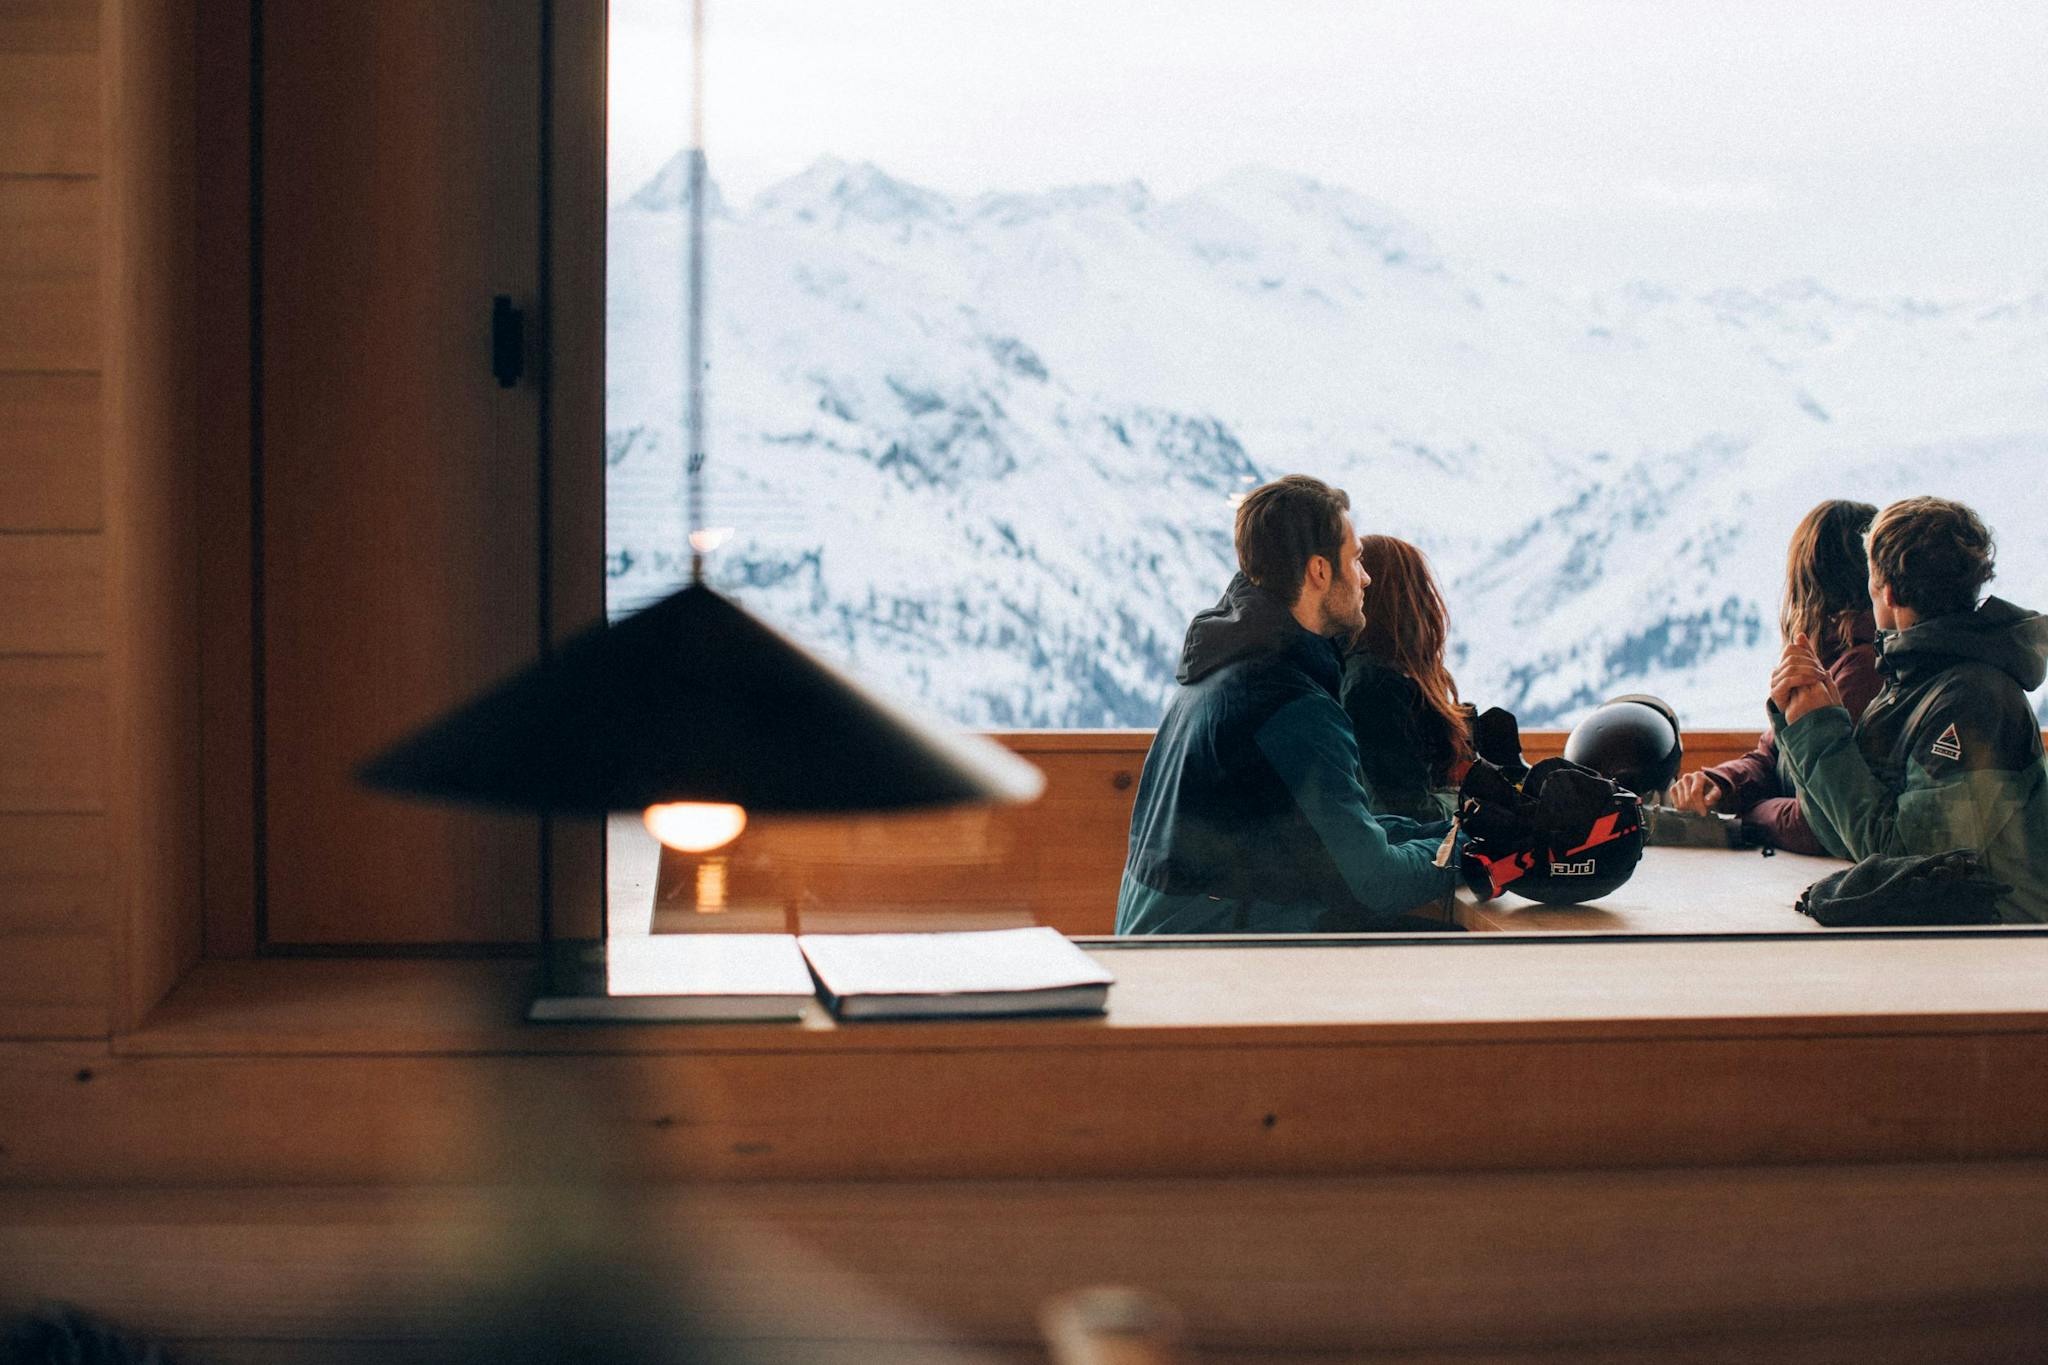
[[983, 451]]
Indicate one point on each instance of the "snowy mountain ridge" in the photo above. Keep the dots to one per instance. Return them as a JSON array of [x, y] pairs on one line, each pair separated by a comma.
[[982, 450]]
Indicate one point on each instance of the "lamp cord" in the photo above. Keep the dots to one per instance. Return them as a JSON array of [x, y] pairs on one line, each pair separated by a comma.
[[693, 312]]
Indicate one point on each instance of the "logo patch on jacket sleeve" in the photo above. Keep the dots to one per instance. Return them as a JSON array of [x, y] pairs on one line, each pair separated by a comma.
[[1948, 745]]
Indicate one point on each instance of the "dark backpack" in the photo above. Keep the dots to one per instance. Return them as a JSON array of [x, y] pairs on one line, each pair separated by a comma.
[[1880, 892]]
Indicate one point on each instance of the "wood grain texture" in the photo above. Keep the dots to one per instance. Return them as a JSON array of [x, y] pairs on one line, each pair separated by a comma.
[[56, 938], [53, 875], [400, 508], [53, 749], [57, 969], [49, 452], [30, 26], [1674, 891], [573, 371], [1301, 1061], [152, 508], [225, 475], [49, 277], [1490, 989], [55, 1022], [1057, 861], [1028, 1113], [1244, 1108], [49, 113], [1696, 1265], [52, 594]]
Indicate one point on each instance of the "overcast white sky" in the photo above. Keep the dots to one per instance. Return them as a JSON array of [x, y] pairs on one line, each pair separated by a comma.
[[1884, 146]]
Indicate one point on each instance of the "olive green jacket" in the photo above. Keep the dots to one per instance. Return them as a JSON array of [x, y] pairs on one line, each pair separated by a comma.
[[1948, 755]]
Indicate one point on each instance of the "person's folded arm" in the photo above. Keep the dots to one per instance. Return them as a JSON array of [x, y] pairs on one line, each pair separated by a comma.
[[1783, 825], [1310, 745], [1835, 782], [1399, 828], [1747, 780]]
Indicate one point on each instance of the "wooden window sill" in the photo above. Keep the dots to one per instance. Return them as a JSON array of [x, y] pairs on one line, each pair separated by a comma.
[[1532, 989]]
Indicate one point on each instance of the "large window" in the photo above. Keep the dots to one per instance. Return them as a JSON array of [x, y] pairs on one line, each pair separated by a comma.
[[1591, 301]]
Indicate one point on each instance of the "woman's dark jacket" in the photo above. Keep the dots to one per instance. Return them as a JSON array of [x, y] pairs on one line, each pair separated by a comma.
[[1405, 749], [1250, 817], [1758, 787]]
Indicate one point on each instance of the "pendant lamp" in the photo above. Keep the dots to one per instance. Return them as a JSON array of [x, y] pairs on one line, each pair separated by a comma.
[[692, 710], [694, 700]]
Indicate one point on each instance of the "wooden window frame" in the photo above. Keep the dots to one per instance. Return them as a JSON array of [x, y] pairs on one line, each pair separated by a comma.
[[571, 376], [1552, 1056]]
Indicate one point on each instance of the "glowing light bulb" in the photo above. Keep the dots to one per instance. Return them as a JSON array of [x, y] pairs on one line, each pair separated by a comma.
[[709, 538], [695, 826]]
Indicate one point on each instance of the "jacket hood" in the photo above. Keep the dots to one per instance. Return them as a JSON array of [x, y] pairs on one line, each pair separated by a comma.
[[1248, 623], [2009, 638]]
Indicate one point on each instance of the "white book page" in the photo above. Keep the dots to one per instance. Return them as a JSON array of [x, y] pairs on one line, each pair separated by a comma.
[[706, 964], [1034, 959]]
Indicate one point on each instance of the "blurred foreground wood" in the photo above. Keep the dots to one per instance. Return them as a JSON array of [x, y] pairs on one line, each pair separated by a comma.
[[1876, 1264]]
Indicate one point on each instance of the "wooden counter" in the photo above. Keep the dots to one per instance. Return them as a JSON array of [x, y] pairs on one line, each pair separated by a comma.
[[1461, 1052], [1504, 1147], [1674, 891]]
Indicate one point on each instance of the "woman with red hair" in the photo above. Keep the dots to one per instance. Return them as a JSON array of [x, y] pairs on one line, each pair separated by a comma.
[[1414, 742]]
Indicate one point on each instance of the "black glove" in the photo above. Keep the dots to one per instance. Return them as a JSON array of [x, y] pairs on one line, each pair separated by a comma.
[[1497, 738]]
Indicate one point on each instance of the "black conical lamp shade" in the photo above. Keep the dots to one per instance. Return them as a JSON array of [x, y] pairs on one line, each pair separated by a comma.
[[693, 699]]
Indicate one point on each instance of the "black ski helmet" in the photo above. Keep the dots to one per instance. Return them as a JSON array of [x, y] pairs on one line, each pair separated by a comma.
[[1567, 836], [1633, 739]]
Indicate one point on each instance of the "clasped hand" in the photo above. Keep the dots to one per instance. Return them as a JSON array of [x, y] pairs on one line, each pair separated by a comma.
[[1800, 685], [1695, 793]]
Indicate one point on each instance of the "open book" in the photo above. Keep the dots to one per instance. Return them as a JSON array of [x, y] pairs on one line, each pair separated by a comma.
[[684, 976], [1000, 971]]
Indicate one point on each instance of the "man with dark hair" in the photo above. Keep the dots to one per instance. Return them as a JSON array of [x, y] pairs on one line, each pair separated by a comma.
[[1250, 815], [1948, 755]]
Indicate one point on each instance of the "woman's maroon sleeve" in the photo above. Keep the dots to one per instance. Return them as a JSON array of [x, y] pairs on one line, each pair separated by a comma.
[[1782, 825], [1747, 780], [1856, 679]]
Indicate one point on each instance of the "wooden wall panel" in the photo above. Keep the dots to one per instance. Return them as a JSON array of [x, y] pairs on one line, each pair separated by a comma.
[[53, 874], [49, 452], [49, 110], [400, 554], [152, 512], [1675, 1265], [57, 969], [1130, 1105], [51, 594], [1057, 861], [225, 475], [50, 26], [574, 360], [55, 939], [49, 267], [53, 754], [55, 930]]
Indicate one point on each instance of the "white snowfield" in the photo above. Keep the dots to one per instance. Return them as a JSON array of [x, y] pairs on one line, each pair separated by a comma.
[[982, 452]]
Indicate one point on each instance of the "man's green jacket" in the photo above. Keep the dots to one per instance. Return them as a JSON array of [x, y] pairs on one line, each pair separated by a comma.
[[1947, 756]]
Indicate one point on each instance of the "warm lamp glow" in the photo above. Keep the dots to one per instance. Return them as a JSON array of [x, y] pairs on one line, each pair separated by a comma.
[[695, 826]]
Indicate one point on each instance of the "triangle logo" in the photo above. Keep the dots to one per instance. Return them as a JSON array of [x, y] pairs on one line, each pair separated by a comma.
[[1948, 745]]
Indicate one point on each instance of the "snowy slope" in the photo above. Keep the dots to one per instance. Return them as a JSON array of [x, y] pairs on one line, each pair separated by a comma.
[[983, 451]]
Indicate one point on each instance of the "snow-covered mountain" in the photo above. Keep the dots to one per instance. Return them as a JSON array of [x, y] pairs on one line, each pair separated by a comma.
[[983, 450]]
